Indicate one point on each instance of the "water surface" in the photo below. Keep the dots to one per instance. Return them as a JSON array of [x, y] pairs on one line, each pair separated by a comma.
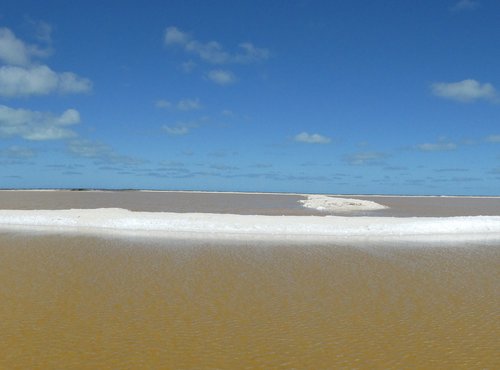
[[84, 302]]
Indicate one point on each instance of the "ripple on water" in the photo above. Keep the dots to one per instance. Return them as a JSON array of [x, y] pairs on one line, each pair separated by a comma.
[[91, 303]]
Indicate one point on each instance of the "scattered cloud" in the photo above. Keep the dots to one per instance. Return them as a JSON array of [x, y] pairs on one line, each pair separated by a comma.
[[100, 152], [179, 129], [188, 66], [176, 130], [188, 104], [363, 158], [493, 139], [184, 104], [441, 170], [222, 154], [212, 51], [163, 104], [436, 147], [261, 165], [223, 167], [174, 36], [465, 91], [39, 80], [305, 137], [37, 126], [88, 149], [43, 31], [221, 77], [20, 76], [14, 51], [465, 5], [17, 152], [396, 168]]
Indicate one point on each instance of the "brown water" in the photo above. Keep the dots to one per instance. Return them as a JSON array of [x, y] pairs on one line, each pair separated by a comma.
[[241, 203], [82, 302]]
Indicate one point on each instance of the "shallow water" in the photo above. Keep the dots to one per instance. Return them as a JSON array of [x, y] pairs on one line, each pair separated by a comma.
[[243, 203], [83, 302]]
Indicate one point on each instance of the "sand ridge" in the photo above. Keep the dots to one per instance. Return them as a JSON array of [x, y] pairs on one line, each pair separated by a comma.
[[236, 226]]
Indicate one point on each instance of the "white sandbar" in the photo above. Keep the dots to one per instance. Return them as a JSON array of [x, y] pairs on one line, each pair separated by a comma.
[[115, 220], [328, 203]]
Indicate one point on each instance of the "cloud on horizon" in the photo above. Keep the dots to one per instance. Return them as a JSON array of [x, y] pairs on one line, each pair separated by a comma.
[[100, 152], [17, 152], [440, 146], [465, 91], [365, 158]]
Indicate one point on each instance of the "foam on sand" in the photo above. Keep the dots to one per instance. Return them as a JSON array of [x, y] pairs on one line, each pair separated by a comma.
[[328, 203], [207, 225]]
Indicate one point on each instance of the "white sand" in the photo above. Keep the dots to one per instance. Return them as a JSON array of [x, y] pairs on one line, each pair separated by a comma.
[[328, 203], [114, 220]]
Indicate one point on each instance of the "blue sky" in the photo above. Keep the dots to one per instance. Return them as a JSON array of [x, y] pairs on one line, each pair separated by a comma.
[[374, 97]]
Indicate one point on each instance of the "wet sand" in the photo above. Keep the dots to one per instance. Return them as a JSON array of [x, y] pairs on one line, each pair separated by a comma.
[[88, 302]]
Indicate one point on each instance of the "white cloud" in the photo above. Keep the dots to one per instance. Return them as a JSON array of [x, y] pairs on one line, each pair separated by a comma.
[[493, 139], [70, 83], [39, 80], [38, 126], [362, 158], [179, 129], [12, 50], [304, 137], [250, 53], [183, 104], [465, 5], [465, 91], [176, 130], [21, 76], [212, 51], [162, 103], [189, 104], [436, 147], [175, 36], [221, 77]]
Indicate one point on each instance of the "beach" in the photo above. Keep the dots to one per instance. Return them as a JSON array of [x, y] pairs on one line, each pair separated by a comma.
[[199, 289]]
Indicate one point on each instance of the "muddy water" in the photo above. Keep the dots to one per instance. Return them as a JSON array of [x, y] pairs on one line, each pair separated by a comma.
[[81, 302], [243, 203]]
